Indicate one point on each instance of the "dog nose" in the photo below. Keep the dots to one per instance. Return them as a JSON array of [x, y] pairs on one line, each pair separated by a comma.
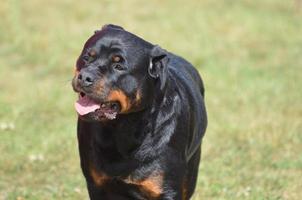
[[86, 78]]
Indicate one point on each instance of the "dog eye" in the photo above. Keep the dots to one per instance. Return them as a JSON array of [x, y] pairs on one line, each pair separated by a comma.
[[116, 58], [118, 67], [89, 56], [85, 58], [88, 59]]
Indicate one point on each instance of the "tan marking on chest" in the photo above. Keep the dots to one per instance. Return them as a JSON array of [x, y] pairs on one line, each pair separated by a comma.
[[138, 97], [150, 187], [99, 178], [184, 190]]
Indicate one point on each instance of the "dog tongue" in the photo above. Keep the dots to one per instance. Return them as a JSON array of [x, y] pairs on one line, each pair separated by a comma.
[[85, 105]]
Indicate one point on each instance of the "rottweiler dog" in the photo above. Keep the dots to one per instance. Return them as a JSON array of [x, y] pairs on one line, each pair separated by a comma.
[[141, 118]]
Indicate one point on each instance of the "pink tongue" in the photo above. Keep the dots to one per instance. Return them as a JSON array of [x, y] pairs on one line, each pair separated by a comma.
[[85, 105]]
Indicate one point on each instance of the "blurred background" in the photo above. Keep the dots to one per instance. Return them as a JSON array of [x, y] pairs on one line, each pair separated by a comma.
[[249, 53]]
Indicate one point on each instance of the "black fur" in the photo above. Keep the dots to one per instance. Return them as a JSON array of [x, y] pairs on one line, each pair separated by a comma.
[[160, 134]]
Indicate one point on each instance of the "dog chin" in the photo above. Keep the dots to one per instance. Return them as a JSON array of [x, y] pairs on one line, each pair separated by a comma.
[[94, 116]]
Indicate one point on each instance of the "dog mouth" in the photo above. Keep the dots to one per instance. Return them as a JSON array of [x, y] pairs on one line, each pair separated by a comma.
[[103, 110]]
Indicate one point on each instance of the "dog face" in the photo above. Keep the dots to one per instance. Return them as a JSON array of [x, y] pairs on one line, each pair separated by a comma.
[[117, 73]]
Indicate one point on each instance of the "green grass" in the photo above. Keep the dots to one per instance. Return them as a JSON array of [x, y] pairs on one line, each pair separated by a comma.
[[249, 53]]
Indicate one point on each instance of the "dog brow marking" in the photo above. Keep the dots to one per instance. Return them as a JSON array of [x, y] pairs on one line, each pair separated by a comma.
[[151, 186], [118, 95], [99, 178]]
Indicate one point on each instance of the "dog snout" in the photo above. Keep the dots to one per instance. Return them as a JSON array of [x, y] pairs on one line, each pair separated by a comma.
[[86, 78]]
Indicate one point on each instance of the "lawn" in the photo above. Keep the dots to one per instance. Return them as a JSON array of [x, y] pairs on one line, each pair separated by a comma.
[[248, 52]]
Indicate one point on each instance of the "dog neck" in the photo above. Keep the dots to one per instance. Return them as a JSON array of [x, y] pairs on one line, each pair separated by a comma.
[[115, 146]]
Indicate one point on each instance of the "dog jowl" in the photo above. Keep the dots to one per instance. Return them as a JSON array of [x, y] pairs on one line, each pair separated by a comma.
[[141, 118]]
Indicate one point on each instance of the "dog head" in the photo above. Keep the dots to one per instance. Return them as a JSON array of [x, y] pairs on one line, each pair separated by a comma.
[[117, 73]]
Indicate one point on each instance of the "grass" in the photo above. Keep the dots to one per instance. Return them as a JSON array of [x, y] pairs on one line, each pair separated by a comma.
[[249, 53]]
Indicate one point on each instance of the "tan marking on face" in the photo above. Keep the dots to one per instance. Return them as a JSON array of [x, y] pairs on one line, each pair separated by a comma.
[[120, 96], [99, 86], [116, 58], [151, 186], [92, 53], [99, 178]]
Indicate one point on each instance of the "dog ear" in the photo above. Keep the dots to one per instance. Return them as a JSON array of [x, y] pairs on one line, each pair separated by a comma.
[[112, 26], [158, 64]]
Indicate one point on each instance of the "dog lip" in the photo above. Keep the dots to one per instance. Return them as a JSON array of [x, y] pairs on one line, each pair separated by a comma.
[[103, 109], [108, 110], [112, 106]]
